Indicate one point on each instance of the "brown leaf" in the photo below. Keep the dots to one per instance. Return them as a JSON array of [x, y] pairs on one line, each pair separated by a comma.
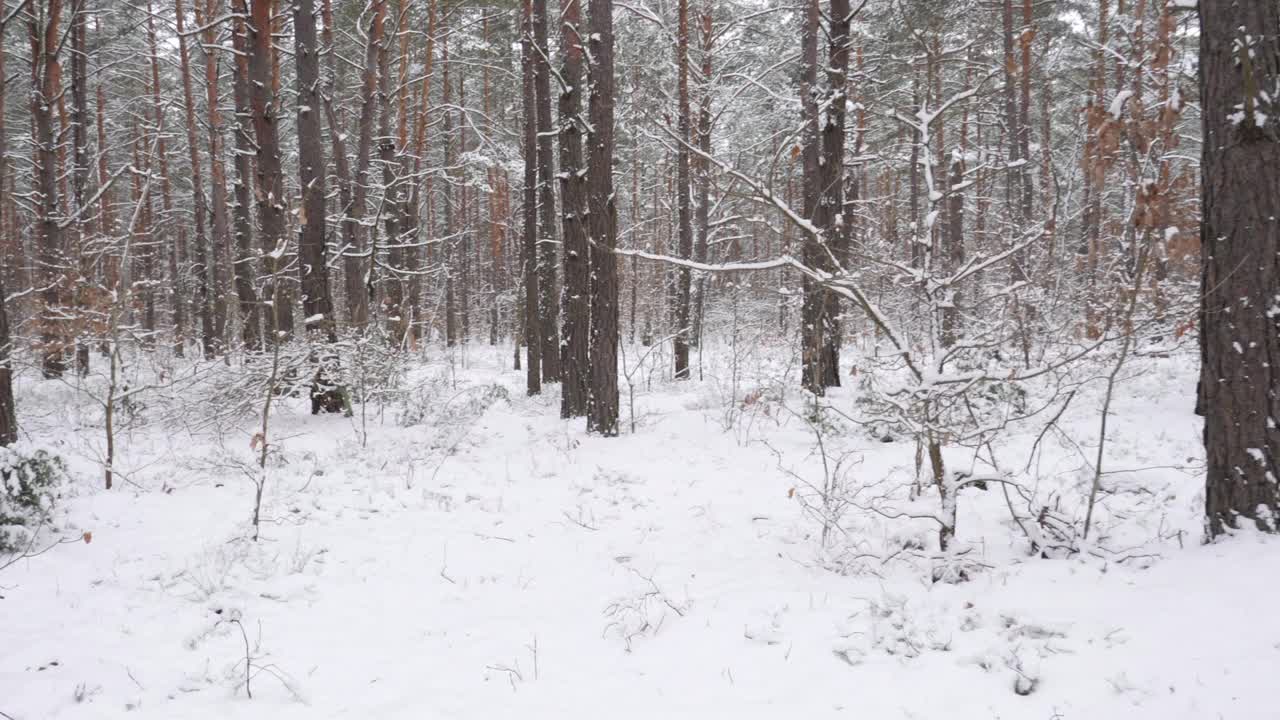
[[87, 536]]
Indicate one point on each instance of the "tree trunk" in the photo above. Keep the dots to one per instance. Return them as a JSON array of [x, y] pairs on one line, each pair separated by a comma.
[[812, 313], [202, 269], [175, 246], [8, 417], [702, 179], [269, 190], [80, 181], [1240, 236], [573, 187], [549, 299], [602, 402], [835, 230], [532, 313], [45, 38], [683, 192], [244, 267], [219, 253]]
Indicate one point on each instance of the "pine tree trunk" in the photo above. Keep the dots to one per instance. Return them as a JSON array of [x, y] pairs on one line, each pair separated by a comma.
[[684, 188], [393, 223], [573, 187], [244, 267], [835, 231], [8, 417], [201, 271], [812, 313], [175, 245], [602, 402], [1240, 236], [45, 41], [219, 253], [702, 180], [549, 297], [269, 190], [529, 256]]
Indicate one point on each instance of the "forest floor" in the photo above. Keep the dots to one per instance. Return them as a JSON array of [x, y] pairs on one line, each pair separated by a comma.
[[475, 556]]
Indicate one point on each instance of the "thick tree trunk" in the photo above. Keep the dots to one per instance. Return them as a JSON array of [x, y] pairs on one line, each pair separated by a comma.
[[1240, 236], [573, 188], [269, 191], [602, 402], [831, 204], [532, 313], [45, 41], [812, 312], [684, 279]]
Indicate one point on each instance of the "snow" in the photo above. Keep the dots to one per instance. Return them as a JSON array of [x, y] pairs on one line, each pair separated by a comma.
[[503, 563]]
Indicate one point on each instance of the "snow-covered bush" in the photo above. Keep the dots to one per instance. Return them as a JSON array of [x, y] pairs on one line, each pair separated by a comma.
[[29, 481]]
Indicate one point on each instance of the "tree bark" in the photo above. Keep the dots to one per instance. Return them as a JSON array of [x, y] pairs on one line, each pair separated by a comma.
[[532, 312], [203, 268], [45, 38], [219, 253], [269, 192], [1240, 236], [684, 277], [812, 312], [574, 215], [244, 267], [549, 298], [175, 245], [602, 401]]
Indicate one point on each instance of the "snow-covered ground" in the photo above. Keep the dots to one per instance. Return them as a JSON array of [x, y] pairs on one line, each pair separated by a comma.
[[493, 561]]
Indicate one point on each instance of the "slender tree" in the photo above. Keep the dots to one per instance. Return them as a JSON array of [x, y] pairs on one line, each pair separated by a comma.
[[244, 268], [548, 299], [203, 268]]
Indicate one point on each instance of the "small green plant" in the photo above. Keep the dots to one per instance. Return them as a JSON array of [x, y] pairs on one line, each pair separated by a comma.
[[28, 489]]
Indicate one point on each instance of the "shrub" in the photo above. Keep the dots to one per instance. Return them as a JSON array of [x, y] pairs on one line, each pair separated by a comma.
[[28, 488]]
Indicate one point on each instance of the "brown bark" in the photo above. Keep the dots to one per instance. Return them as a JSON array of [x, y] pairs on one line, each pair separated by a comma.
[[549, 295], [532, 312], [813, 254], [219, 252], [8, 414], [574, 215], [244, 267], [702, 176], [269, 193], [175, 245], [317, 304], [684, 210], [201, 270], [45, 37], [602, 402], [1239, 332]]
